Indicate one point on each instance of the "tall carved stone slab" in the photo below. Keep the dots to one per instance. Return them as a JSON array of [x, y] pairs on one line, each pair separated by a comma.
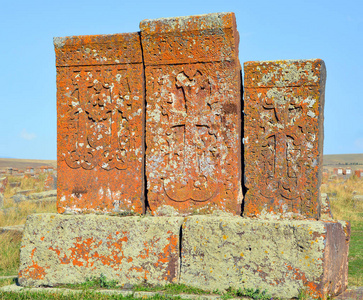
[[100, 102], [193, 114], [283, 128]]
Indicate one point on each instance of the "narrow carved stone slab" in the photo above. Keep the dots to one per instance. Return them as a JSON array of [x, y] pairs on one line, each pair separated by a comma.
[[282, 257], [283, 137], [193, 114], [61, 249], [100, 103]]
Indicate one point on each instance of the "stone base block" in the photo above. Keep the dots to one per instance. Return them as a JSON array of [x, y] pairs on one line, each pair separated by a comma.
[[282, 257], [60, 249], [217, 252]]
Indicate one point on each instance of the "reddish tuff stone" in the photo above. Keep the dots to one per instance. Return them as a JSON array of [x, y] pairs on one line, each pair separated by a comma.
[[193, 114], [284, 103], [100, 102]]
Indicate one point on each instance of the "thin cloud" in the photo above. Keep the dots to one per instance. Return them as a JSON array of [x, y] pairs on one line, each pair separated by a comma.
[[27, 135]]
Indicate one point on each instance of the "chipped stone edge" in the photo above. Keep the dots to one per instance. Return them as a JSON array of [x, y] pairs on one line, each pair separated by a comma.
[[60, 42], [185, 23]]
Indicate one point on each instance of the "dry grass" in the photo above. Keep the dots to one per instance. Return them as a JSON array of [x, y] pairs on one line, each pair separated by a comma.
[[9, 253], [17, 214], [31, 183], [345, 207], [341, 193]]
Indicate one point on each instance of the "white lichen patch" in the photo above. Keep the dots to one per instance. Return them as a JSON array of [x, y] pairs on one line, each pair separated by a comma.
[[311, 114]]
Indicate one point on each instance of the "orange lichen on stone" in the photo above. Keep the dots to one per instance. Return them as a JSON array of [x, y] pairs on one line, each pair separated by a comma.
[[100, 103], [193, 132], [34, 271], [133, 247], [283, 137]]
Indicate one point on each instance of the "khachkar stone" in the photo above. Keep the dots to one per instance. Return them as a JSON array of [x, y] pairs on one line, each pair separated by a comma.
[[283, 128], [100, 102], [193, 114]]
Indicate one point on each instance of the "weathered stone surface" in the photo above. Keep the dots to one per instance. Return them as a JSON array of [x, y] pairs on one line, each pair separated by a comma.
[[282, 256], [353, 293], [283, 128], [3, 184], [15, 230], [100, 102], [193, 114], [37, 197], [50, 183], [58, 248], [325, 213]]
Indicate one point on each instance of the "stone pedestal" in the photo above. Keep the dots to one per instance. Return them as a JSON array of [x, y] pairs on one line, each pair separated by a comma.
[[208, 252], [59, 249], [282, 257]]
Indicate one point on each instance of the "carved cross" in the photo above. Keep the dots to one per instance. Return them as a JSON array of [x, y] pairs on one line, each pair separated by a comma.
[[192, 142], [282, 148]]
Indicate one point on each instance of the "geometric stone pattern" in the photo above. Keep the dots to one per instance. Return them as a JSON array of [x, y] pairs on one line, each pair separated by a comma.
[[283, 256], [100, 104], [283, 137], [193, 115], [61, 249]]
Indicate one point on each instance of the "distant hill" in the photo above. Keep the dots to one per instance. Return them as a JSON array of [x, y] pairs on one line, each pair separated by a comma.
[[354, 161], [22, 164]]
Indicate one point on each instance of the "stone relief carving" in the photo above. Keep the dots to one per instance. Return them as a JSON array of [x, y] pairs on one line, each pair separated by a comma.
[[97, 116]]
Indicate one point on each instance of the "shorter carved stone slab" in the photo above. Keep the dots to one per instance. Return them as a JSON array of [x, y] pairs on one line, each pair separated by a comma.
[[283, 137], [100, 104], [282, 257], [61, 249], [193, 132]]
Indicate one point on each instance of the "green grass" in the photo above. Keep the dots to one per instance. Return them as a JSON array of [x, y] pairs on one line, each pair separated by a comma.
[[9, 253], [103, 283], [85, 295], [167, 292], [345, 208], [355, 272], [7, 281], [93, 283], [171, 289]]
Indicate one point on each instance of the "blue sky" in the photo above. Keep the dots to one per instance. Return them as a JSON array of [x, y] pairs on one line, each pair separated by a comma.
[[269, 30]]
